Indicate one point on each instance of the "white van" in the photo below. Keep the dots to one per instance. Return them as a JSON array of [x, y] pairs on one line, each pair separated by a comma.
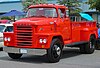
[[4, 28]]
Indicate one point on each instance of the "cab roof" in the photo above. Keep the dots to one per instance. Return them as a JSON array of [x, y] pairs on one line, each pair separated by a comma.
[[48, 5]]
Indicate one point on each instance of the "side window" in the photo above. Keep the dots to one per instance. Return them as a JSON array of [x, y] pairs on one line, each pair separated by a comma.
[[9, 29], [5, 30], [61, 12]]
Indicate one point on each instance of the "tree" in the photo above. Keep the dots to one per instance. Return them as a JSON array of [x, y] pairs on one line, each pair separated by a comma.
[[27, 3], [73, 5], [94, 4]]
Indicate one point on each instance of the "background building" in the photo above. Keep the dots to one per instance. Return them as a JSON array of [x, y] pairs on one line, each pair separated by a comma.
[[92, 12], [7, 5]]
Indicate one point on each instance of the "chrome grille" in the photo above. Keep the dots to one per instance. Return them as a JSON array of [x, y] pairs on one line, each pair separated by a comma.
[[24, 35]]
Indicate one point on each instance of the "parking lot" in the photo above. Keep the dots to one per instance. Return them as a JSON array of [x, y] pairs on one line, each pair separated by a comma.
[[1, 45], [71, 59]]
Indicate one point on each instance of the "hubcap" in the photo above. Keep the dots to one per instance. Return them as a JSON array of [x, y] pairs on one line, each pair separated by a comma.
[[56, 50], [91, 45]]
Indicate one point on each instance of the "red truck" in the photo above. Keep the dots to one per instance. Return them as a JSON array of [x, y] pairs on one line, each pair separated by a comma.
[[46, 29]]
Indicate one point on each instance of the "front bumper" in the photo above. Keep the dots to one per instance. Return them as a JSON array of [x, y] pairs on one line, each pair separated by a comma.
[[24, 50]]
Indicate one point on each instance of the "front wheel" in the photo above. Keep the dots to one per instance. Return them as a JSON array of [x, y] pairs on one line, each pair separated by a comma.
[[55, 51], [14, 55]]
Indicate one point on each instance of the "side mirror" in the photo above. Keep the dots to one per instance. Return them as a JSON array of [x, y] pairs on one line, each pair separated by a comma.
[[62, 15]]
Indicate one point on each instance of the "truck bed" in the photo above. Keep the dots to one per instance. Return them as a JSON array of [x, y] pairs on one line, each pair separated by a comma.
[[81, 30]]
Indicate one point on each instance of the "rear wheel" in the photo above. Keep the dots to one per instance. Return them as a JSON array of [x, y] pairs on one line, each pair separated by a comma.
[[97, 47], [14, 55], [88, 48], [82, 49], [55, 51]]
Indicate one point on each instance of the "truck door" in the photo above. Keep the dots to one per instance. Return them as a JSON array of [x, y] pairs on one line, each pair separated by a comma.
[[65, 24]]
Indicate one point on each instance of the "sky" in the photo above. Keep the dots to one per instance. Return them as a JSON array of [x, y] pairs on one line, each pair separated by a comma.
[[8, 0]]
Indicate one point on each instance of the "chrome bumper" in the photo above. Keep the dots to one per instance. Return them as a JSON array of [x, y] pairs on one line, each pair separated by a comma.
[[24, 50]]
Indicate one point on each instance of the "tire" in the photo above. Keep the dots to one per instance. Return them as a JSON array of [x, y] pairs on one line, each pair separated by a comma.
[[82, 49], [14, 56], [97, 47], [54, 53], [90, 46]]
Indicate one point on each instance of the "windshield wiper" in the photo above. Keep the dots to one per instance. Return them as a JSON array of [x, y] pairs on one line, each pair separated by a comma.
[[41, 16], [30, 16], [36, 16]]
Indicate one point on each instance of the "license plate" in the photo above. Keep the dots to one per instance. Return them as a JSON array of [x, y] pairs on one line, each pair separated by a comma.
[[23, 51]]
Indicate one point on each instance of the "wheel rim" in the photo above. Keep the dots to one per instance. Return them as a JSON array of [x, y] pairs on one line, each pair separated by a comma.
[[91, 44], [56, 51]]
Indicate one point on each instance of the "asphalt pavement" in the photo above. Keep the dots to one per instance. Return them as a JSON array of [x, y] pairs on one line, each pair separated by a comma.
[[1, 46], [71, 59]]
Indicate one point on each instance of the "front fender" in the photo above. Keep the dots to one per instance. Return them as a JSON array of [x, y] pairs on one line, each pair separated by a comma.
[[48, 36], [12, 39]]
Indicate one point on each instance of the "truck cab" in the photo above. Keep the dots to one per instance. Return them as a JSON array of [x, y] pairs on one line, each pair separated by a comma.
[[47, 29]]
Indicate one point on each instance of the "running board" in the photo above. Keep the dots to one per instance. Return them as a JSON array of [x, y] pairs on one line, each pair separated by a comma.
[[75, 44]]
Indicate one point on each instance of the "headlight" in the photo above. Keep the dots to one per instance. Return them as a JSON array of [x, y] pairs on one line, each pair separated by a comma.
[[9, 39], [5, 39], [42, 40]]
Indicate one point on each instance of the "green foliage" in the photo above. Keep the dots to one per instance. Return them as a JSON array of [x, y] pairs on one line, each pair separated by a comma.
[[73, 5], [5, 18], [27, 3], [94, 4]]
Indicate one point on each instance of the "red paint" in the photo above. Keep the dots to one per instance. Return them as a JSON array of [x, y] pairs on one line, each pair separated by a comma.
[[34, 28]]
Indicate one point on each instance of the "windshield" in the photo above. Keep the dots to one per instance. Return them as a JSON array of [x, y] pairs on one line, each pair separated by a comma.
[[42, 12], [2, 28]]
